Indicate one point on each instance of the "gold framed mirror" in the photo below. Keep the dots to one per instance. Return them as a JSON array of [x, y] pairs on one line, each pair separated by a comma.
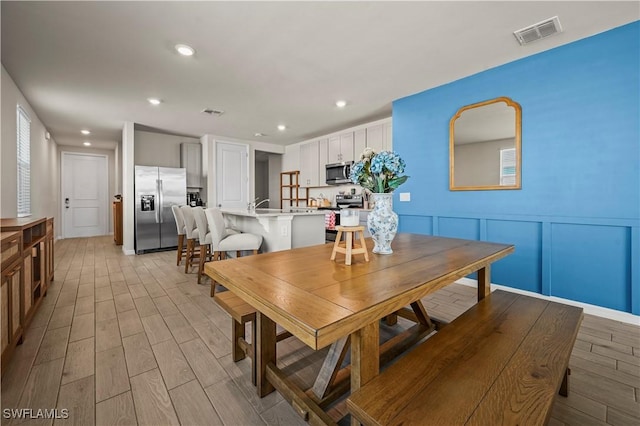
[[485, 146]]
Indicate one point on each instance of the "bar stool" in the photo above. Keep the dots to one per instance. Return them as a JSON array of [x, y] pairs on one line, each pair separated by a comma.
[[177, 215], [222, 240], [204, 239], [191, 232], [349, 248]]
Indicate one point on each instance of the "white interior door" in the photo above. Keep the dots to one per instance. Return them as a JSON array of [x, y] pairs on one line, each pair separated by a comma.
[[84, 195], [232, 176]]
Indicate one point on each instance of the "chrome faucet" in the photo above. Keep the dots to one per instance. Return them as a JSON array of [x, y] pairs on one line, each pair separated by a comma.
[[266, 200], [252, 205]]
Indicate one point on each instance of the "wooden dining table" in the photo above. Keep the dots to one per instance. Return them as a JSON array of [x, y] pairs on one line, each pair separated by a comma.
[[327, 303]]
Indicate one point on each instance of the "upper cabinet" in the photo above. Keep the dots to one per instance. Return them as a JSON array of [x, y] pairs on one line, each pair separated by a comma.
[[375, 137], [341, 148], [314, 155], [191, 159], [388, 136], [309, 164], [359, 143]]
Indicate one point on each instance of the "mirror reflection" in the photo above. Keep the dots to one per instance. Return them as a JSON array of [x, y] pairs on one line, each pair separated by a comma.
[[484, 146]]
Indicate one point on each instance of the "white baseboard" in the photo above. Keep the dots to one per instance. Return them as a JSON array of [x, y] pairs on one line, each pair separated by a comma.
[[128, 252], [599, 311]]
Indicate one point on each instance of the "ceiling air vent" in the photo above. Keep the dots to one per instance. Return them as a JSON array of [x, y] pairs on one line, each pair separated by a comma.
[[215, 112], [537, 31]]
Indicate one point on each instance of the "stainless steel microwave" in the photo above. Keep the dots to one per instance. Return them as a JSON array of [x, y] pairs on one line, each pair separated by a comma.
[[338, 173]]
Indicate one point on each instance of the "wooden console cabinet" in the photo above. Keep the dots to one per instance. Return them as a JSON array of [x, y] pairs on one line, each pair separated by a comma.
[[117, 222], [27, 270]]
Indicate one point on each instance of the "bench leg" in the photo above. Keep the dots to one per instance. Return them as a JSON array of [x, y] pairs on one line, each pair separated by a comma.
[[564, 387], [484, 282]]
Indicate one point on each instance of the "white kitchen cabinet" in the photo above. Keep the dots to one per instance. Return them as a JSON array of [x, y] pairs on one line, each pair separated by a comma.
[[388, 136], [309, 164], [375, 137], [341, 148], [191, 159], [359, 143], [323, 160]]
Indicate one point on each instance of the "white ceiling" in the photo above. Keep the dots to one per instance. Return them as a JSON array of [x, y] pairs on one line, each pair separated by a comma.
[[94, 64]]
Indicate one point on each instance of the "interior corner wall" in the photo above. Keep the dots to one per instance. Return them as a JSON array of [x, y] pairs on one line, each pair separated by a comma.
[[44, 158], [128, 201], [576, 221]]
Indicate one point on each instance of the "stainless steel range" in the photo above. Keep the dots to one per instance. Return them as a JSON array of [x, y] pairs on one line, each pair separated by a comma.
[[352, 201]]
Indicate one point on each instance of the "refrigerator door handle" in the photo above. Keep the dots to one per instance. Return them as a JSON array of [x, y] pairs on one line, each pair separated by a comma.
[[160, 200]]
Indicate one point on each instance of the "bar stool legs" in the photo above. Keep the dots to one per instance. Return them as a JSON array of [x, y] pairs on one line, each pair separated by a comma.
[[182, 249]]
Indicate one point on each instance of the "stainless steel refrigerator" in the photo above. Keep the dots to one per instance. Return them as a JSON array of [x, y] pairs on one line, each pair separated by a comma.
[[157, 189]]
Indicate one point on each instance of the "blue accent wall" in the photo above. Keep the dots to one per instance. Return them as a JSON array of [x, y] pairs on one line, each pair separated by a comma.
[[576, 221]]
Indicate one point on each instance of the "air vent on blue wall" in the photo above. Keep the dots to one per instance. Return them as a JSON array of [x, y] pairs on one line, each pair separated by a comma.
[[538, 31]]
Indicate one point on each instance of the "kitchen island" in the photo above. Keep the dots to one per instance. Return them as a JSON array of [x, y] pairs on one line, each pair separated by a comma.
[[281, 229]]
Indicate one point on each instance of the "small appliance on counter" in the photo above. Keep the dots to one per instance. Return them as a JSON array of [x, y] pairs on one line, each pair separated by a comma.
[[193, 199]]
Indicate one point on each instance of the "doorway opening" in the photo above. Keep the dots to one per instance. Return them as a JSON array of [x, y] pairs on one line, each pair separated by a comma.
[[266, 178]]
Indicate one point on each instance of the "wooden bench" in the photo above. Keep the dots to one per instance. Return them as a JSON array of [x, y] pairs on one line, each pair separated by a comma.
[[241, 313], [501, 362]]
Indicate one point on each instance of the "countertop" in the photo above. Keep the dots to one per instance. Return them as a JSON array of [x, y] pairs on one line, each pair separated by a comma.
[[294, 211]]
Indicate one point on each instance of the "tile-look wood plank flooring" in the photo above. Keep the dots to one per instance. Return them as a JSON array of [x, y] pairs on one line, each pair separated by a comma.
[[133, 340]]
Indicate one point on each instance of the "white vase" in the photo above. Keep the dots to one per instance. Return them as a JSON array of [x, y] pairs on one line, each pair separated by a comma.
[[382, 223]]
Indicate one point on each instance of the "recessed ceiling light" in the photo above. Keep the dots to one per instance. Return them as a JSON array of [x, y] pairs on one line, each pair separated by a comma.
[[85, 132], [185, 50], [87, 144], [282, 127], [154, 101], [341, 104], [259, 135]]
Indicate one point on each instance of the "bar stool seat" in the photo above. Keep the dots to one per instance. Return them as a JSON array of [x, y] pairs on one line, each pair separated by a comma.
[[349, 247]]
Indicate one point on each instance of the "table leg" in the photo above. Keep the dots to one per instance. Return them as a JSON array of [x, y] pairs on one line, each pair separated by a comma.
[[484, 282], [365, 357], [265, 341]]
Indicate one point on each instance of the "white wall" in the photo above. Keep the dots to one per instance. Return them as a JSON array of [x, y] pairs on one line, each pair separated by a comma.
[[128, 202], [111, 170], [45, 170]]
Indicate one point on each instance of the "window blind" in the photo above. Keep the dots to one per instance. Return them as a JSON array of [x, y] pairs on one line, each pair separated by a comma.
[[508, 166], [24, 162]]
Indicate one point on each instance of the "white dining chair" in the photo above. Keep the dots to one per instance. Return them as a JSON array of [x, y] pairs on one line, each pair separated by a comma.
[[180, 227], [224, 239], [191, 233]]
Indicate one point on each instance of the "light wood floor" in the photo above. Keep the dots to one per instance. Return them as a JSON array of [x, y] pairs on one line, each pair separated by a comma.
[[132, 339]]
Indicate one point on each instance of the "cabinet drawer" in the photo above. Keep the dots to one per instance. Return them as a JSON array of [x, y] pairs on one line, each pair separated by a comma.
[[10, 247]]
